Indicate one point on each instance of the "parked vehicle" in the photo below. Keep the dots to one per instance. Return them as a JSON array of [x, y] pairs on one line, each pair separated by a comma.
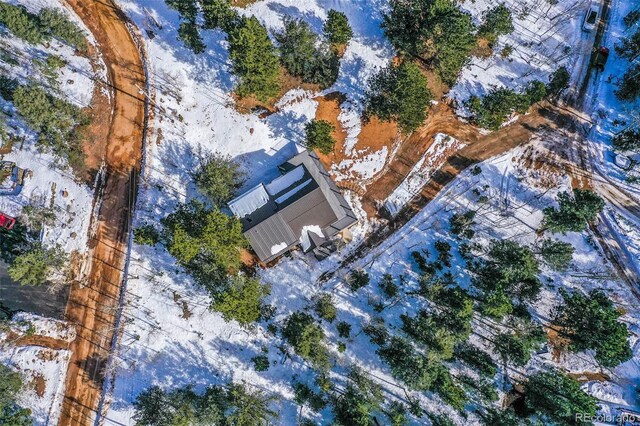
[[600, 58], [590, 18], [6, 221]]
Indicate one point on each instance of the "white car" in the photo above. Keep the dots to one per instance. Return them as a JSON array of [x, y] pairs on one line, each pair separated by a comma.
[[590, 18]]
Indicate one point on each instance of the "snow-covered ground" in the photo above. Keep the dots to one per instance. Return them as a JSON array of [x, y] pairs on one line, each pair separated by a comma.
[[545, 37], [172, 339], [610, 115], [44, 370], [47, 183]]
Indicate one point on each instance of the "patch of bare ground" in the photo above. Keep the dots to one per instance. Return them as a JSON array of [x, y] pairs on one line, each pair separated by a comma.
[[590, 376], [559, 344], [39, 383], [243, 3], [248, 104], [374, 136]]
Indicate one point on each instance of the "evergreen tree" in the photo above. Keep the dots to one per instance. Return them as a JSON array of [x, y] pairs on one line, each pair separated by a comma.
[[319, 135], [397, 414], [436, 31], [11, 414], [219, 14], [254, 60], [591, 322], [56, 121], [557, 399], [60, 26], [35, 266], [476, 358], [189, 34], [324, 307], [574, 211], [218, 177], [303, 56], [188, 9], [517, 348], [558, 81], [146, 234], [205, 242], [307, 338], [414, 369], [497, 22], [21, 23], [462, 224], [249, 408], [356, 405], [357, 279], [241, 300], [627, 140], [629, 88], [557, 254], [399, 93], [629, 47], [337, 29]]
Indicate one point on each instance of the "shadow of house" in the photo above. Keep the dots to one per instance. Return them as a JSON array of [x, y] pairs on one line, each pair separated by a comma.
[[303, 207]]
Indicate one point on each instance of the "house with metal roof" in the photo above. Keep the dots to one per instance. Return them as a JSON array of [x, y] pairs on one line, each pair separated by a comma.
[[302, 207]]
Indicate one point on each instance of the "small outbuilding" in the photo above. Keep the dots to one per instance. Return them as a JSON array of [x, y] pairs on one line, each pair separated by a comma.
[[303, 207]]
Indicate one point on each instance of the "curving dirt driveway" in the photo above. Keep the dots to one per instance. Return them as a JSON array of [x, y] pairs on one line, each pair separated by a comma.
[[115, 141]]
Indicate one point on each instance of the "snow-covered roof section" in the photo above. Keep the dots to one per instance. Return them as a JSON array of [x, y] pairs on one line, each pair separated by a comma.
[[250, 201], [285, 181]]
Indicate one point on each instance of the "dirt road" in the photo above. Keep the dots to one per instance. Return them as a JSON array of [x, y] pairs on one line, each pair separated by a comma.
[[118, 129]]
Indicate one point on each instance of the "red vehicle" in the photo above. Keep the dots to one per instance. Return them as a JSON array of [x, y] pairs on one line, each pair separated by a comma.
[[6, 221]]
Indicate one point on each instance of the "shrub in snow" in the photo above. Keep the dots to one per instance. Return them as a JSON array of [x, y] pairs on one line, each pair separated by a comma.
[[336, 28], [56, 121], [388, 286], [399, 93], [436, 31], [462, 224], [260, 362], [359, 401], [574, 211], [318, 135], [476, 358], [344, 329], [591, 322]]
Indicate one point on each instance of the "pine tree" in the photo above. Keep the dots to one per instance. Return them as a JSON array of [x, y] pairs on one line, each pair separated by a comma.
[[574, 211], [188, 9], [60, 26], [324, 307], [361, 398], [11, 414], [307, 338], [557, 399], [591, 322], [558, 81], [218, 177], [241, 300], [219, 14], [497, 22], [35, 266], [557, 254], [337, 29], [21, 23], [399, 93], [319, 135], [627, 140], [436, 31], [189, 34], [254, 60], [629, 48], [249, 408], [629, 89]]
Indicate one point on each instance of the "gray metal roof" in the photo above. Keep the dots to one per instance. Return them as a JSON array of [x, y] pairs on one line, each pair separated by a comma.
[[304, 196]]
